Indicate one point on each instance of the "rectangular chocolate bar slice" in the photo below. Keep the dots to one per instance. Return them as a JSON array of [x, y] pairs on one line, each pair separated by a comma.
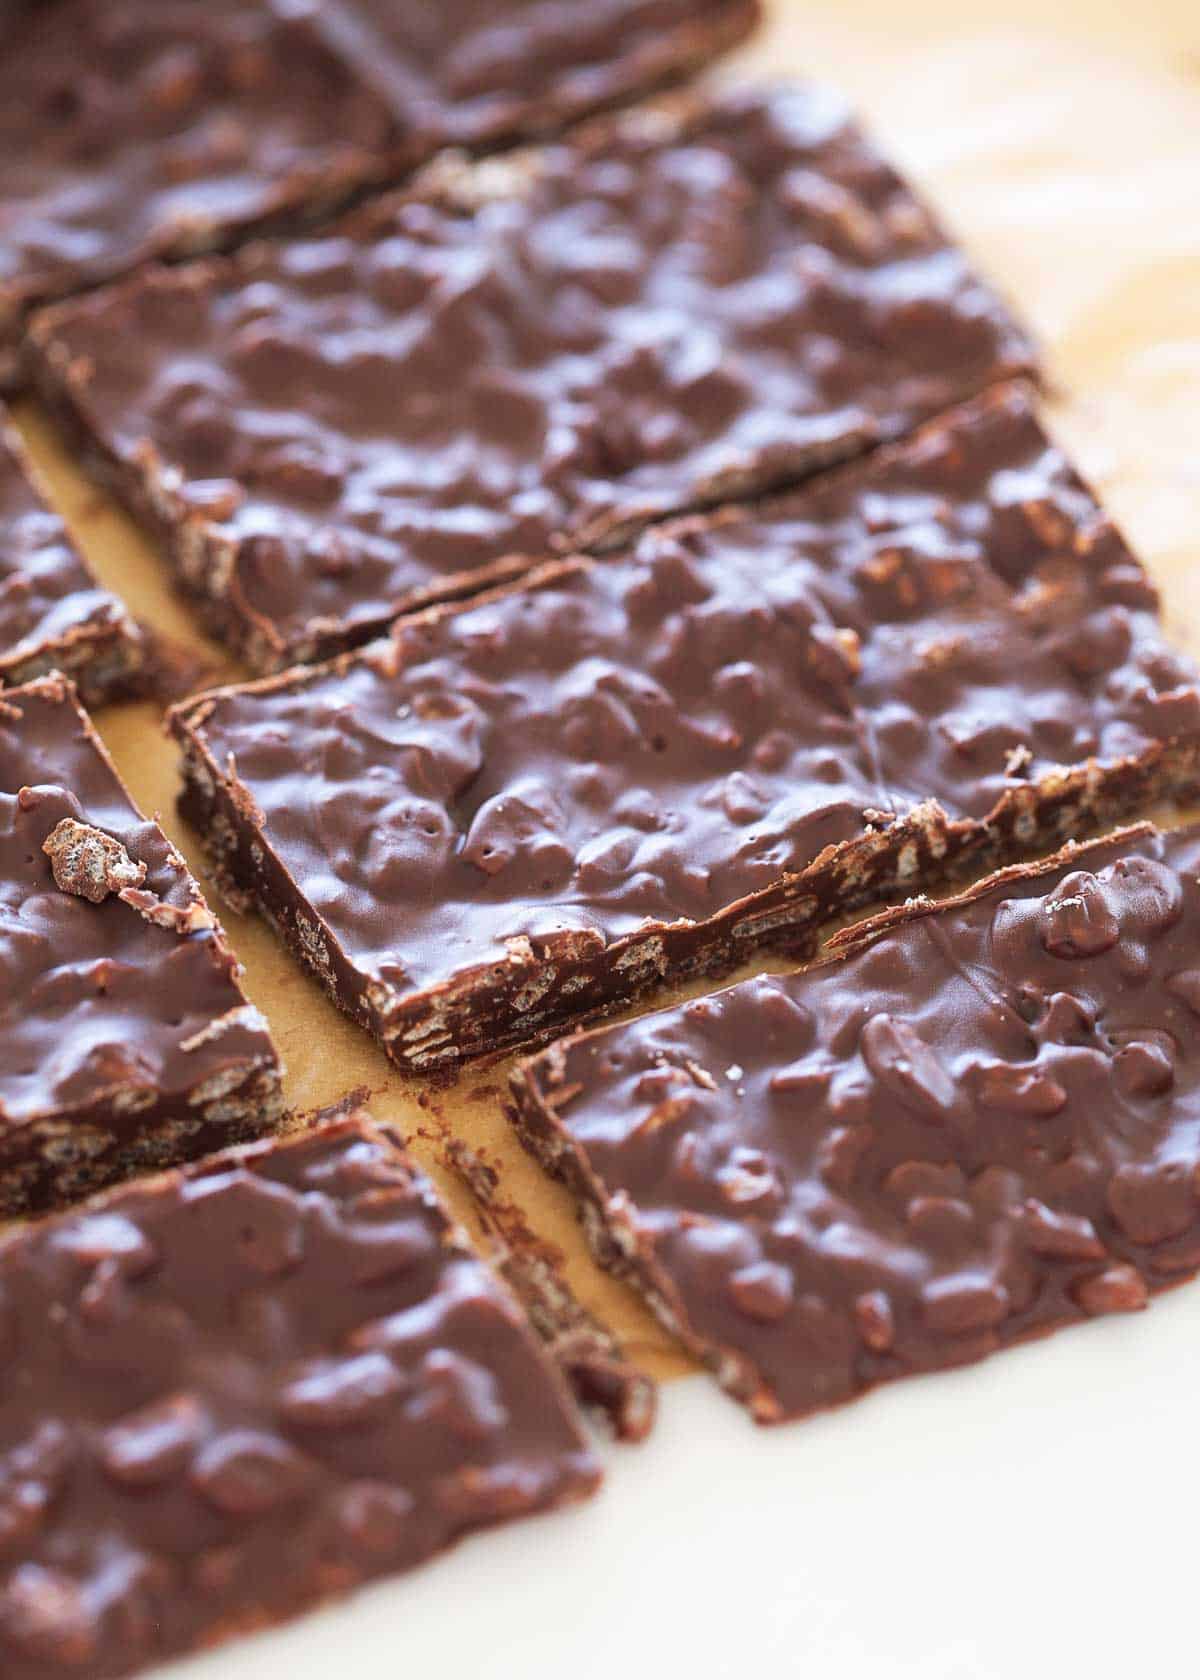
[[246, 1387], [643, 767], [131, 130], [978, 1122], [53, 613], [125, 1039], [527, 355]]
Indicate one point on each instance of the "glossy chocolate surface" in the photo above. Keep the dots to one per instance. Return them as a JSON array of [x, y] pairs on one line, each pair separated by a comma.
[[997, 628], [125, 1037], [466, 71], [531, 354], [52, 611], [656, 738], [130, 130], [246, 1387], [982, 1123], [138, 128]]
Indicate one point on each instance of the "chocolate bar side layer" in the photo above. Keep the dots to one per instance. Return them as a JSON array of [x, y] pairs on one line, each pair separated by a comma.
[[197, 125], [979, 1122], [645, 767], [523, 356], [604, 1379], [247, 1387], [53, 613], [126, 1041]]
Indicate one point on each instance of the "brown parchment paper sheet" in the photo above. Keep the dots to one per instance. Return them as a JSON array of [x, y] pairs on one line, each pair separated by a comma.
[[1061, 138]]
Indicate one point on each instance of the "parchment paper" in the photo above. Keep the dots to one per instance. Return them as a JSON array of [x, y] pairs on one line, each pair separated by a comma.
[[1061, 139]]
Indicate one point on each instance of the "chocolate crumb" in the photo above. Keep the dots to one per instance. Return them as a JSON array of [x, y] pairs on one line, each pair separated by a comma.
[[90, 863], [182, 919]]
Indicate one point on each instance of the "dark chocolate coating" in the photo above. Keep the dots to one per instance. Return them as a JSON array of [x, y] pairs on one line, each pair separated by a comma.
[[123, 1043], [246, 1387], [527, 355], [53, 613], [1000, 632], [981, 1124], [132, 129], [545, 802], [464, 72]]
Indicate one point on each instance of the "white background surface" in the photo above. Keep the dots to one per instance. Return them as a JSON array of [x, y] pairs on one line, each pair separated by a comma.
[[1031, 1517]]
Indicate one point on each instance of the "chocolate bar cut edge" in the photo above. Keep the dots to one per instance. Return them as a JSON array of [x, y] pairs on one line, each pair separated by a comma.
[[104, 654], [603, 1378]]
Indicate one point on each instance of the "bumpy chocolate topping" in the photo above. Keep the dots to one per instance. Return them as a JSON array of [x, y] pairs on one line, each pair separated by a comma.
[[468, 71], [53, 614], [130, 130], [523, 810], [125, 1038], [981, 1123], [246, 1387], [533, 353], [1002, 639]]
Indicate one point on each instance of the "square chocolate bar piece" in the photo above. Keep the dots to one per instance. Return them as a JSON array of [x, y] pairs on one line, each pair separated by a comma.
[[53, 613], [523, 356], [644, 766], [248, 1386], [978, 1122], [125, 1039], [136, 129]]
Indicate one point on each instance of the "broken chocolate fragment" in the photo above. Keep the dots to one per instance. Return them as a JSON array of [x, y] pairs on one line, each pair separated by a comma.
[[89, 863]]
